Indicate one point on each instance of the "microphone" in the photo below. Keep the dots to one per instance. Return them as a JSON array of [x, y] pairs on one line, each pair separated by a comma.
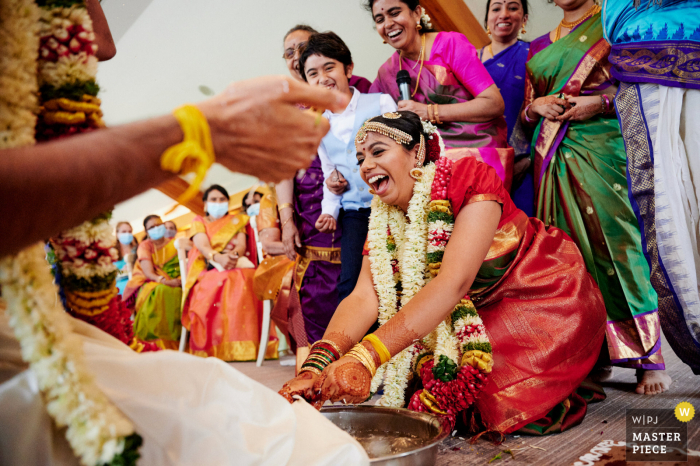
[[403, 80]]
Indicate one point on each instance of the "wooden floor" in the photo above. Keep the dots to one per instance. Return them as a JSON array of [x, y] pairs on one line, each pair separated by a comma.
[[604, 421]]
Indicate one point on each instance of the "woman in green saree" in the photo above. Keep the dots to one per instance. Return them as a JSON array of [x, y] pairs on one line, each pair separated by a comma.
[[581, 181], [154, 291]]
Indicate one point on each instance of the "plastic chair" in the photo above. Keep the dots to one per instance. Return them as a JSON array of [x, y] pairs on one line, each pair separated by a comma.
[[129, 259], [267, 304]]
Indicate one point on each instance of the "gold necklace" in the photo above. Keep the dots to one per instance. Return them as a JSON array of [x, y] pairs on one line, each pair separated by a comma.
[[421, 57], [563, 24]]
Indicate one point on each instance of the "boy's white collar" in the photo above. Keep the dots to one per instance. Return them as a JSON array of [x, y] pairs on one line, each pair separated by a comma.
[[351, 106]]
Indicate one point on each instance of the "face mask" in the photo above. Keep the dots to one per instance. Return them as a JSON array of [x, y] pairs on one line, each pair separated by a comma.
[[125, 238], [217, 209], [170, 233], [156, 233], [253, 210]]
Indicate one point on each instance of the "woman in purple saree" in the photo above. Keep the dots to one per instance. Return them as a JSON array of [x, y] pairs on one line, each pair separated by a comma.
[[449, 85]]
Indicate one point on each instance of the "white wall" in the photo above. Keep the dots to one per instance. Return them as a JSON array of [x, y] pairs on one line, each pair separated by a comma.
[[167, 49]]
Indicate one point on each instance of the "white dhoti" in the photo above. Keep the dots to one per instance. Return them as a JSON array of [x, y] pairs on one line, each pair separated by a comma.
[[188, 410], [661, 129]]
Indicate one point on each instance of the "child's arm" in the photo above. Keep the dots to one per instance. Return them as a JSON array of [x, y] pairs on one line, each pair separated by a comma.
[[330, 205]]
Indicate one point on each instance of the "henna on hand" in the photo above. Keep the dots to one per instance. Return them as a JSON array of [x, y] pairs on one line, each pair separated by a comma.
[[301, 385], [396, 335], [343, 341], [583, 108], [345, 380]]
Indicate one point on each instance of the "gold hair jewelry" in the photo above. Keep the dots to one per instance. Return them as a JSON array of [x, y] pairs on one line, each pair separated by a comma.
[[392, 115], [376, 127], [421, 151]]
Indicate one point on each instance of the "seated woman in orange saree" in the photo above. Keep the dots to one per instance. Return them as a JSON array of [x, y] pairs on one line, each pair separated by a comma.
[[154, 290], [220, 309], [484, 311]]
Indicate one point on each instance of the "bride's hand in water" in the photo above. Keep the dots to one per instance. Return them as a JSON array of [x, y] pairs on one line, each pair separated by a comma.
[[301, 385], [345, 380]]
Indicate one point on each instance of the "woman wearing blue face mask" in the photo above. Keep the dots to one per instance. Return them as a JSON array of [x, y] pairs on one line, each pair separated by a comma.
[[126, 247], [154, 291], [221, 310]]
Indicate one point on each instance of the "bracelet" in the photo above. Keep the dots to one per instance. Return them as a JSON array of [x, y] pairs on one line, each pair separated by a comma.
[[285, 205], [379, 347], [195, 154], [211, 255], [160, 279], [332, 346], [431, 113], [602, 104], [361, 353], [436, 111], [285, 222], [527, 118], [608, 106]]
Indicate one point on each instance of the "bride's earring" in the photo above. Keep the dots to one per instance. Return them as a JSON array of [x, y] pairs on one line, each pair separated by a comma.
[[418, 27], [417, 173]]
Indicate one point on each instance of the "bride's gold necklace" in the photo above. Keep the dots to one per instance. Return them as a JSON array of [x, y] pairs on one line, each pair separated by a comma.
[[421, 57], [563, 24]]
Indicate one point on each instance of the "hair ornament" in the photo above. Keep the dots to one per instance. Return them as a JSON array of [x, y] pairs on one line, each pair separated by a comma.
[[376, 127], [425, 19], [392, 115], [428, 127]]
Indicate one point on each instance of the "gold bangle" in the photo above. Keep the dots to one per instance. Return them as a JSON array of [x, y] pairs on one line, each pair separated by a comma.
[[195, 154], [285, 222], [379, 347], [285, 205], [431, 113], [436, 111], [361, 353], [310, 369]]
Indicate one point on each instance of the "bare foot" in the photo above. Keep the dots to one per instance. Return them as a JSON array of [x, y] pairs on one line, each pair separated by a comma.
[[600, 374], [652, 382]]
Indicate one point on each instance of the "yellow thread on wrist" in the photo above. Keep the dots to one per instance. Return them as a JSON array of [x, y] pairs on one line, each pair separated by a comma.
[[379, 347], [195, 154]]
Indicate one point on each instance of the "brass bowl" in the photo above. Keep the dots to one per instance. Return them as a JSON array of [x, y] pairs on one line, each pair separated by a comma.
[[390, 436]]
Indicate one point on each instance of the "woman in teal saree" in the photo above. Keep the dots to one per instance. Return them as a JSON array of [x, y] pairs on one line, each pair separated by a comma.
[[581, 181]]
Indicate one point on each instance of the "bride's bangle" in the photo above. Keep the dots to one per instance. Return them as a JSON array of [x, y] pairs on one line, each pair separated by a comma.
[[363, 355]]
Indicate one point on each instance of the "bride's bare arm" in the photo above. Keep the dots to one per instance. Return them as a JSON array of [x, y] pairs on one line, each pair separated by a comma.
[[356, 314], [472, 236]]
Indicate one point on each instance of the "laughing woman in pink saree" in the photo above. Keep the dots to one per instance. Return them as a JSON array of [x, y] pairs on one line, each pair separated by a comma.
[[449, 85]]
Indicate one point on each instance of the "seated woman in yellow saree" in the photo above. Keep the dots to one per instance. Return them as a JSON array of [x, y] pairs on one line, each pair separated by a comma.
[[155, 291], [220, 309]]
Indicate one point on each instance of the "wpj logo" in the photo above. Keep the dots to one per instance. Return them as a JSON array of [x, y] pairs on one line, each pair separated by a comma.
[[656, 435]]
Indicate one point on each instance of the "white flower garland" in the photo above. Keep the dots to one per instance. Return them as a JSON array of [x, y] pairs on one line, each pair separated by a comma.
[[96, 429], [411, 245]]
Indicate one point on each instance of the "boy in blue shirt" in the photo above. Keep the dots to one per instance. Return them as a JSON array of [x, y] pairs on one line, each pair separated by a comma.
[[326, 61]]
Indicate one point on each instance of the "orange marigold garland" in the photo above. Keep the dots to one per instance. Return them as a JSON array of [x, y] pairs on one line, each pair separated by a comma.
[[69, 105]]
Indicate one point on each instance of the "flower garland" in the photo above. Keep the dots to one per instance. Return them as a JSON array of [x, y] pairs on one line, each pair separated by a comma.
[[454, 359], [69, 105], [96, 430]]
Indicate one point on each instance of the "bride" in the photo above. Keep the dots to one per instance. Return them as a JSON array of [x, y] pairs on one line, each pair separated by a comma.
[[475, 303]]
